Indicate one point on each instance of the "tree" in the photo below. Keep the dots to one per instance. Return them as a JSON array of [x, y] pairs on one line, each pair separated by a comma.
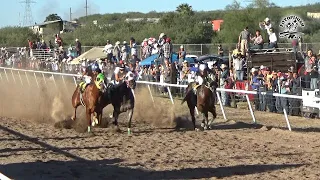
[[52, 17], [261, 4], [185, 9], [235, 5]]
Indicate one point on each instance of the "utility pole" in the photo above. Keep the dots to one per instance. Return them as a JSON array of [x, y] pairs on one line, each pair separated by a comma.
[[28, 19], [86, 8], [70, 13]]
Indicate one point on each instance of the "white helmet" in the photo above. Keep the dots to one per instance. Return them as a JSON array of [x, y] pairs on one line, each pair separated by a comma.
[[202, 67]]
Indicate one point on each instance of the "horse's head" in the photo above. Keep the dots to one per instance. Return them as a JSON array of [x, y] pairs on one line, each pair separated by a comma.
[[130, 80]]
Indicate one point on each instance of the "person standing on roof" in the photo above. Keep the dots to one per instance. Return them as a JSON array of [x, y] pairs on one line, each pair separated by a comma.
[[78, 47], [244, 39], [266, 25]]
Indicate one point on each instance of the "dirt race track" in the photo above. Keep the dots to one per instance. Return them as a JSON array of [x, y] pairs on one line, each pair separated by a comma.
[[161, 147]]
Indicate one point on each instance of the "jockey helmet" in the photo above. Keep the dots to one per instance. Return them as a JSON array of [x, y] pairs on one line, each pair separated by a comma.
[[202, 67], [95, 66], [100, 76]]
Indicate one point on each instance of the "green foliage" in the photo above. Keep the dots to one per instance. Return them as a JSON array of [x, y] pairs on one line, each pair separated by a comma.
[[183, 25], [52, 17], [16, 36]]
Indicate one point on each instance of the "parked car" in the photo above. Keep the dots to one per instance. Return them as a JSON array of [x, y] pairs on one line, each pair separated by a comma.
[[214, 59]]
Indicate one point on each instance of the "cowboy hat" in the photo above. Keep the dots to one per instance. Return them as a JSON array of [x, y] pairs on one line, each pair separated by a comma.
[[267, 20], [118, 42], [124, 42], [77, 39], [185, 61]]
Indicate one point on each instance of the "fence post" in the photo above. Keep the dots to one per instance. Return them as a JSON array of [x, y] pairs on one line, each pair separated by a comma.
[[150, 94], [27, 78], [14, 79], [20, 78], [44, 79], [287, 120], [170, 95], [64, 82], [250, 108], [1, 77], [35, 77], [201, 49], [221, 106], [75, 81], [54, 81], [6, 75]]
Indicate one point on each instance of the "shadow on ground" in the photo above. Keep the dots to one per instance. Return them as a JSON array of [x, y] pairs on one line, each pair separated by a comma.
[[106, 169]]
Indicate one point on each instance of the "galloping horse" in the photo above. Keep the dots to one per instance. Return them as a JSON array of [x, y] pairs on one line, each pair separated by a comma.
[[203, 98], [89, 99], [122, 98]]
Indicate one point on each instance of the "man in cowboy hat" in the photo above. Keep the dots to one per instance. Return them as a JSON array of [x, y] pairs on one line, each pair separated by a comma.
[[266, 25]]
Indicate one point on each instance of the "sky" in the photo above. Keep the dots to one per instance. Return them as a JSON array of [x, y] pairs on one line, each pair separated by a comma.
[[12, 11]]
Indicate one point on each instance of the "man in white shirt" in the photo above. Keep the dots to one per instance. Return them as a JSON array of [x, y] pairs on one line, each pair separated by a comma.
[[238, 67], [273, 39], [108, 50], [266, 25]]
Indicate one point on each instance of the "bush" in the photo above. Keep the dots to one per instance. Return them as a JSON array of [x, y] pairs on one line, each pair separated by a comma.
[[16, 36]]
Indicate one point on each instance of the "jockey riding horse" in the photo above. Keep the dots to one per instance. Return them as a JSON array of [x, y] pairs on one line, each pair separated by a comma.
[[206, 77], [201, 94]]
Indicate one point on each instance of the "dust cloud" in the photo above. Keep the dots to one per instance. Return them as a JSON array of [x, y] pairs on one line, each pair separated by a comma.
[[51, 103]]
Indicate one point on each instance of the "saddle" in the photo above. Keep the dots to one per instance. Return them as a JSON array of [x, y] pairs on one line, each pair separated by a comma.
[[196, 86], [82, 86]]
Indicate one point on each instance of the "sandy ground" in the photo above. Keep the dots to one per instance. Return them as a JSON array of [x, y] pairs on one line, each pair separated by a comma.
[[161, 147]]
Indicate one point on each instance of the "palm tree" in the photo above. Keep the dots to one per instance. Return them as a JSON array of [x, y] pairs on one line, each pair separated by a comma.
[[185, 9]]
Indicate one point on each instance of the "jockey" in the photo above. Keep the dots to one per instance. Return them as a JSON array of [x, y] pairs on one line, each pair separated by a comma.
[[120, 73], [97, 71], [92, 69], [205, 76]]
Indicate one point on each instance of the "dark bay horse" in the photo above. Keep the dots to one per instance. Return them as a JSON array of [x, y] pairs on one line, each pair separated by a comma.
[[122, 98], [204, 99], [89, 99]]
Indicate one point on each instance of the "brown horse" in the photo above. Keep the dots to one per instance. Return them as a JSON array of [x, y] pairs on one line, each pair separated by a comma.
[[204, 99], [89, 99]]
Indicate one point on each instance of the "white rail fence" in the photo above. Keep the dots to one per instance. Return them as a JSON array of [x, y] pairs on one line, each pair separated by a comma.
[[12, 72]]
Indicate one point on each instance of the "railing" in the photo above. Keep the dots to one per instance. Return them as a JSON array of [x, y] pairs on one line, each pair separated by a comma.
[[200, 49], [10, 71]]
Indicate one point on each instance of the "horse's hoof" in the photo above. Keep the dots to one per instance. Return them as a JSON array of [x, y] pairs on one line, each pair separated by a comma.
[[202, 125], [196, 129]]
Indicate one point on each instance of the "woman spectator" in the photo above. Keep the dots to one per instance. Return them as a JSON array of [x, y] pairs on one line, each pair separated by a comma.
[[257, 41]]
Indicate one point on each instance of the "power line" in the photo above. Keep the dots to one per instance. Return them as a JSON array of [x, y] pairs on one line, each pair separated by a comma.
[[27, 19]]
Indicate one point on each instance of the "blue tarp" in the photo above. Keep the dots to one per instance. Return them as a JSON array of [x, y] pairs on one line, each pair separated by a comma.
[[150, 60]]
